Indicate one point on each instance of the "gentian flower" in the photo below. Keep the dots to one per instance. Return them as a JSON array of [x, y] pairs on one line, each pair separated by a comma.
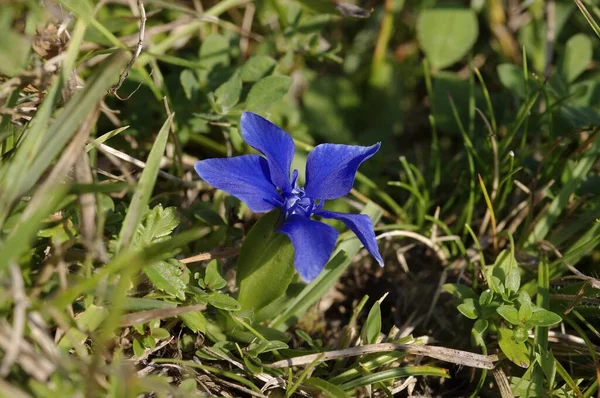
[[264, 183]]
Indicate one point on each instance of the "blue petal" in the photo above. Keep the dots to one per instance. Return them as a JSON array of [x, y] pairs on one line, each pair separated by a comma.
[[274, 143], [331, 168], [361, 225], [245, 177], [313, 244]]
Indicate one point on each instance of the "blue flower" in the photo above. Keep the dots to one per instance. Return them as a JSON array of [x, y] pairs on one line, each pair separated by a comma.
[[264, 183]]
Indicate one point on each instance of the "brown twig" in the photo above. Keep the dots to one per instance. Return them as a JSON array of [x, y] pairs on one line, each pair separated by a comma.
[[219, 253], [136, 54]]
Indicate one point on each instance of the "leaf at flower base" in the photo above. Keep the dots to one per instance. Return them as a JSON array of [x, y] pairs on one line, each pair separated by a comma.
[[542, 317], [267, 91], [516, 352], [446, 34], [257, 67], [266, 264], [372, 327], [170, 277]]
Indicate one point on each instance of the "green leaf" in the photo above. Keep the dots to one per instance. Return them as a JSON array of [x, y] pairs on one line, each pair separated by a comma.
[[228, 94], [160, 333], [138, 349], [509, 313], [516, 352], [486, 297], [469, 308], [478, 331], [372, 327], [548, 364], [542, 317], [266, 264], [257, 67], [214, 51], [460, 291], [18, 240], [170, 277], [195, 321], [395, 373], [521, 334], [262, 346], [14, 52], [83, 8], [511, 76], [159, 223], [189, 82], [212, 277], [446, 34], [578, 54], [525, 307], [141, 197], [496, 284], [513, 280], [222, 301], [267, 91], [326, 388]]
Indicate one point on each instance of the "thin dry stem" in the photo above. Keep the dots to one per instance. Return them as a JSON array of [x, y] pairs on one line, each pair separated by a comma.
[[136, 54], [20, 309]]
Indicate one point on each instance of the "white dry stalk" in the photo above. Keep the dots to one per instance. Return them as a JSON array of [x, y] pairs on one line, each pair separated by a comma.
[[459, 357], [18, 328]]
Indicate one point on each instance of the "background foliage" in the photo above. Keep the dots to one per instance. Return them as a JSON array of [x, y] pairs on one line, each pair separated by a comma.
[[118, 266]]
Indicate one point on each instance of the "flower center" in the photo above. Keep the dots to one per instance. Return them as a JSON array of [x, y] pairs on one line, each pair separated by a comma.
[[296, 201]]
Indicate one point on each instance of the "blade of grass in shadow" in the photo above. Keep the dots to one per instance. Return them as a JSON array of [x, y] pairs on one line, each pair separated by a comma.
[[141, 197], [32, 158], [18, 241], [561, 200], [105, 137], [391, 374], [318, 287], [31, 142], [588, 17]]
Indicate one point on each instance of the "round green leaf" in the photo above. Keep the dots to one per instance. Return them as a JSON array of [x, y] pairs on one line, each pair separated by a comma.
[[267, 91], [577, 56], [509, 313], [516, 352], [542, 317], [257, 67], [469, 309], [446, 34]]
